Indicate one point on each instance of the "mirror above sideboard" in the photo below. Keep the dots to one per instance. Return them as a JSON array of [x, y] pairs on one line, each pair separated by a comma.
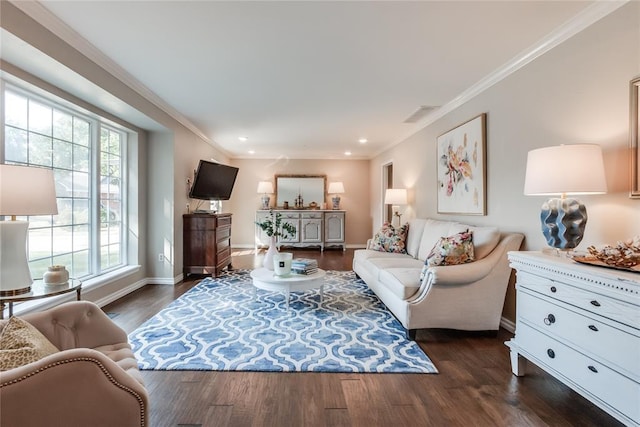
[[312, 188]]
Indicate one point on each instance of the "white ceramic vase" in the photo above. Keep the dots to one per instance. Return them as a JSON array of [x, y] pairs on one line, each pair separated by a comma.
[[268, 258], [56, 275]]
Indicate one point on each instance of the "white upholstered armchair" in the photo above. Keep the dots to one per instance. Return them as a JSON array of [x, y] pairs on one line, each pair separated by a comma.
[[92, 381]]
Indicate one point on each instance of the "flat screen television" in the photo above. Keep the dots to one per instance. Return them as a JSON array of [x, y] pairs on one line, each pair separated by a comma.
[[213, 181]]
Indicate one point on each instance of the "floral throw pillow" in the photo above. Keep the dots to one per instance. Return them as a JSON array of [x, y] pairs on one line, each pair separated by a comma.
[[21, 343], [390, 239], [452, 250]]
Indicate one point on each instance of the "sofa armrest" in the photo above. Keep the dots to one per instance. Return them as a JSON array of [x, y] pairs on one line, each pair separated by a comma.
[[80, 386], [77, 324], [462, 274], [465, 274]]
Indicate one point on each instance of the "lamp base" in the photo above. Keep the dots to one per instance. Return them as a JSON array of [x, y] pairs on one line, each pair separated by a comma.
[[265, 201], [563, 222], [15, 277], [336, 202]]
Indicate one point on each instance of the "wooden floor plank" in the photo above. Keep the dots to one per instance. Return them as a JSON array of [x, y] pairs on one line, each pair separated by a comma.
[[475, 386]]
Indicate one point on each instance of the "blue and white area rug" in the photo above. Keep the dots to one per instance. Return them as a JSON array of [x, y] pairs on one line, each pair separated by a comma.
[[224, 324]]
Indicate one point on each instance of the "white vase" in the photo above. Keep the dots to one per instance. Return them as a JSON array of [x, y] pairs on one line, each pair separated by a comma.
[[56, 275], [268, 258]]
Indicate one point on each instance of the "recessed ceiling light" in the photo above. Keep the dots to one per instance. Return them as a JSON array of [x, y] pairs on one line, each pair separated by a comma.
[[243, 138], [363, 140], [347, 153]]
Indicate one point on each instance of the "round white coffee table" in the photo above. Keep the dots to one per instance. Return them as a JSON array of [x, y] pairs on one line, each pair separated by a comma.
[[267, 280]]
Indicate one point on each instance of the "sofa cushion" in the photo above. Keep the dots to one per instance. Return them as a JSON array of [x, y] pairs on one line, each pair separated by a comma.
[[433, 231], [403, 282], [390, 239], [485, 240], [416, 228], [21, 343], [364, 254]]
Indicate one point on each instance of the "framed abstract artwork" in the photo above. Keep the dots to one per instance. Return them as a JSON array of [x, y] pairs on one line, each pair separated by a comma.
[[461, 168], [634, 133]]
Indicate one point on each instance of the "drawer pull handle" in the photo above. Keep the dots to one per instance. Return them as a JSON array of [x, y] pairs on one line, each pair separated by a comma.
[[551, 353], [593, 369], [595, 303], [549, 319], [594, 328], [553, 289]]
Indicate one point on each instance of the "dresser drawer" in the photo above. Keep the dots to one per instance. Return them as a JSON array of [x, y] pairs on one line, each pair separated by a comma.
[[312, 215], [290, 215], [597, 379], [611, 344], [608, 307], [223, 233]]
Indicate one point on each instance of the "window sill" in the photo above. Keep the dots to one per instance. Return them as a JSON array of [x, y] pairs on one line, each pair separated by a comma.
[[88, 285]]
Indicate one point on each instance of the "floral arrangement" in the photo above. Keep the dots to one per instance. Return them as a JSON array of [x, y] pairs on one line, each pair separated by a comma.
[[274, 226]]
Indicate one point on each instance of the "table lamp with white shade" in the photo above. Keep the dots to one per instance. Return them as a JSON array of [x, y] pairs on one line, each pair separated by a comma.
[[23, 191], [395, 197], [560, 171], [336, 188], [265, 188]]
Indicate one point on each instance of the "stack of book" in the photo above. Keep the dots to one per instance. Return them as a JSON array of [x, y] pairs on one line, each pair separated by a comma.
[[304, 266]]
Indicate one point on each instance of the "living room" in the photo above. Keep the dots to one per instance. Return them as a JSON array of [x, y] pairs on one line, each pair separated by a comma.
[[575, 91]]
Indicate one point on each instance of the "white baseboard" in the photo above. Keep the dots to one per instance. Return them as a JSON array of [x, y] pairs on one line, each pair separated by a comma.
[[122, 292], [508, 325]]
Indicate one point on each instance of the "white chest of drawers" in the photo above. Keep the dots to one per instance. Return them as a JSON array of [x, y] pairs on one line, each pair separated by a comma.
[[581, 324]]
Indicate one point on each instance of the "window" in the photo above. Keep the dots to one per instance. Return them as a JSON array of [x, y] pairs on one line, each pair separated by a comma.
[[86, 155]]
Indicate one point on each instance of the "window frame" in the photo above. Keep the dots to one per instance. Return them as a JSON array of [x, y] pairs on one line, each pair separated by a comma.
[[97, 123]]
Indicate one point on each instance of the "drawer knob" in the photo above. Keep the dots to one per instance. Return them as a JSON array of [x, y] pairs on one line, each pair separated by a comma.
[[593, 369], [549, 319], [595, 303], [551, 353], [553, 289], [594, 328]]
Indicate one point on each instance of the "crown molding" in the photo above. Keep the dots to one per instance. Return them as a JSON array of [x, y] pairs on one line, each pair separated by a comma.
[[587, 17], [51, 22]]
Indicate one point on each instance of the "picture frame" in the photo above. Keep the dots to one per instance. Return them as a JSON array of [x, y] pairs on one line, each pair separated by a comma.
[[634, 135], [461, 168]]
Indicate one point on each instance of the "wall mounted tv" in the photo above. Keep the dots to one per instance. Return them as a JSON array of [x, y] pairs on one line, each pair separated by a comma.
[[213, 181]]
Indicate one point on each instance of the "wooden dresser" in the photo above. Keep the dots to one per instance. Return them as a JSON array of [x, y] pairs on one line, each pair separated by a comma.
[[581, 324], [207, 243]]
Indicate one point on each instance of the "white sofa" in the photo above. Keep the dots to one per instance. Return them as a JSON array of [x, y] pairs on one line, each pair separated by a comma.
[[467, 296]]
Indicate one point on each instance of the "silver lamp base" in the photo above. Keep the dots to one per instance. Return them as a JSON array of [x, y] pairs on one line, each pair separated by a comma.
[[563, 222], [336, 202], [265, 201]]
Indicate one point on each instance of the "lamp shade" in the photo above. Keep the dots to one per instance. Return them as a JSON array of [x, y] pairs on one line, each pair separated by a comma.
[[27, 190], [265, 187], [336, 188], [23, 191], [565, 169], [395, 196]]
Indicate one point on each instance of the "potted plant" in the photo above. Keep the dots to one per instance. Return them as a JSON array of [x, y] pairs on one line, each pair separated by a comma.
[[274, 227]]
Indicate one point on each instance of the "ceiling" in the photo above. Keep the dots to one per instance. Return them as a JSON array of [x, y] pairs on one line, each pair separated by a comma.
[[304, 79]]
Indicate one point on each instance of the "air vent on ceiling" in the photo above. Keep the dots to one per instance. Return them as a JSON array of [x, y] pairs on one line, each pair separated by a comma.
[[420, 113]]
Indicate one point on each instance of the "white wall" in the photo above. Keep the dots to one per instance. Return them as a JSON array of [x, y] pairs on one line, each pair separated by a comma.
[[576, 93]]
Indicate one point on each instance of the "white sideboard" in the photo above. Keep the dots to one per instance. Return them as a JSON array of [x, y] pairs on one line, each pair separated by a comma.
[[581, 324], [314, 227]]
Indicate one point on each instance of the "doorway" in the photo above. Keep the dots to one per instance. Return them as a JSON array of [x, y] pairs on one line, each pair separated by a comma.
[[387, 182]]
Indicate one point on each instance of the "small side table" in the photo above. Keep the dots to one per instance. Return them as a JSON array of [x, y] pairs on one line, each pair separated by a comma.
[[40, 290]]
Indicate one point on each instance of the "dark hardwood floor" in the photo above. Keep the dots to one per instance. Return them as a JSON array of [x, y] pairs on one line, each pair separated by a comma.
[[475, 386]]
